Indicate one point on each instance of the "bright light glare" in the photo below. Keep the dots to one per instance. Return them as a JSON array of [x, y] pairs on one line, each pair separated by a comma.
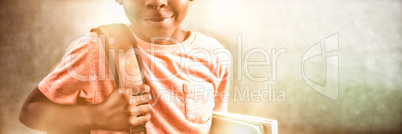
[[222, 8], [111, 12]]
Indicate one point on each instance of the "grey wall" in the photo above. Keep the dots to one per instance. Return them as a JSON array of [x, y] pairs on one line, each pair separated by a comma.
[[34, 36]]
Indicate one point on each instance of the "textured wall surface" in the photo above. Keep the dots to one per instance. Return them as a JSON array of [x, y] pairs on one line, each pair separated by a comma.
[[34, 36]]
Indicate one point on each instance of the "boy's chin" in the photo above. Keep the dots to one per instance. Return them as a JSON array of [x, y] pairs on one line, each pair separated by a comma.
[[158, 32]]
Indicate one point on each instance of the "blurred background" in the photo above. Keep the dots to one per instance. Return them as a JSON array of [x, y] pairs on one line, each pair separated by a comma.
[[35, 34]]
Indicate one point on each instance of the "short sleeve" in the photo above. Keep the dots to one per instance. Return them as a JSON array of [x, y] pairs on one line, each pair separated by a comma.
[[81, 75]]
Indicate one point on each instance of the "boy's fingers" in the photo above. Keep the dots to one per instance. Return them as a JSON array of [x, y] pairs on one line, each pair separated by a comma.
[[141, 120], [140, 110], [140, 99]]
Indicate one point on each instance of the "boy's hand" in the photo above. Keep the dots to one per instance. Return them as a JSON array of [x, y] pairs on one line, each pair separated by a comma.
[[121, 112]]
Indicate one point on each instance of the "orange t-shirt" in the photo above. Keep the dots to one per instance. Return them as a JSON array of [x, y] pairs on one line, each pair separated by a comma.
[[188, 81]]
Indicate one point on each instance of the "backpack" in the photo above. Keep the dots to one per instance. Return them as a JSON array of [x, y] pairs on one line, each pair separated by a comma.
[[117, 38]]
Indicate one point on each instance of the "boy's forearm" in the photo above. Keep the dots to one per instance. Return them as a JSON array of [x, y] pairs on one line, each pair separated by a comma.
[[51, 117]]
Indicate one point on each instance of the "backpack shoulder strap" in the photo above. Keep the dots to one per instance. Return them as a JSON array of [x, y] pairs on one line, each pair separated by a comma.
[[118, 38]]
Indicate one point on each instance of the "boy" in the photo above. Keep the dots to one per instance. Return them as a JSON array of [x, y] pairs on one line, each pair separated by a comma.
[[186, 80]]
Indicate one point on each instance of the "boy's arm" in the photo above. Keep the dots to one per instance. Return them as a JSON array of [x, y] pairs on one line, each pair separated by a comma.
[[222, 95], [221, 98], [38, 112], [223, 73]]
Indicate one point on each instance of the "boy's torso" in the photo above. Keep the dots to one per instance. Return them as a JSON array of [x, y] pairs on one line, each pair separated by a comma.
[[183, 78]]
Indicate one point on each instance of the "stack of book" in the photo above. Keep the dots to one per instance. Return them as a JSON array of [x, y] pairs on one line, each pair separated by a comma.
[[229, 123]]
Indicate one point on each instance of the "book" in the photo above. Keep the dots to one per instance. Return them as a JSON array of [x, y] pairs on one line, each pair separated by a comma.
[[229, 123]]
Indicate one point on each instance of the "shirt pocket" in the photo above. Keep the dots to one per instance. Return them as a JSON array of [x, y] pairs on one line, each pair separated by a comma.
[[199, 101]]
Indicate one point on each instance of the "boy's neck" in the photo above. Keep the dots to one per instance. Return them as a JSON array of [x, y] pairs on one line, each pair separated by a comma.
[[177, 36]]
